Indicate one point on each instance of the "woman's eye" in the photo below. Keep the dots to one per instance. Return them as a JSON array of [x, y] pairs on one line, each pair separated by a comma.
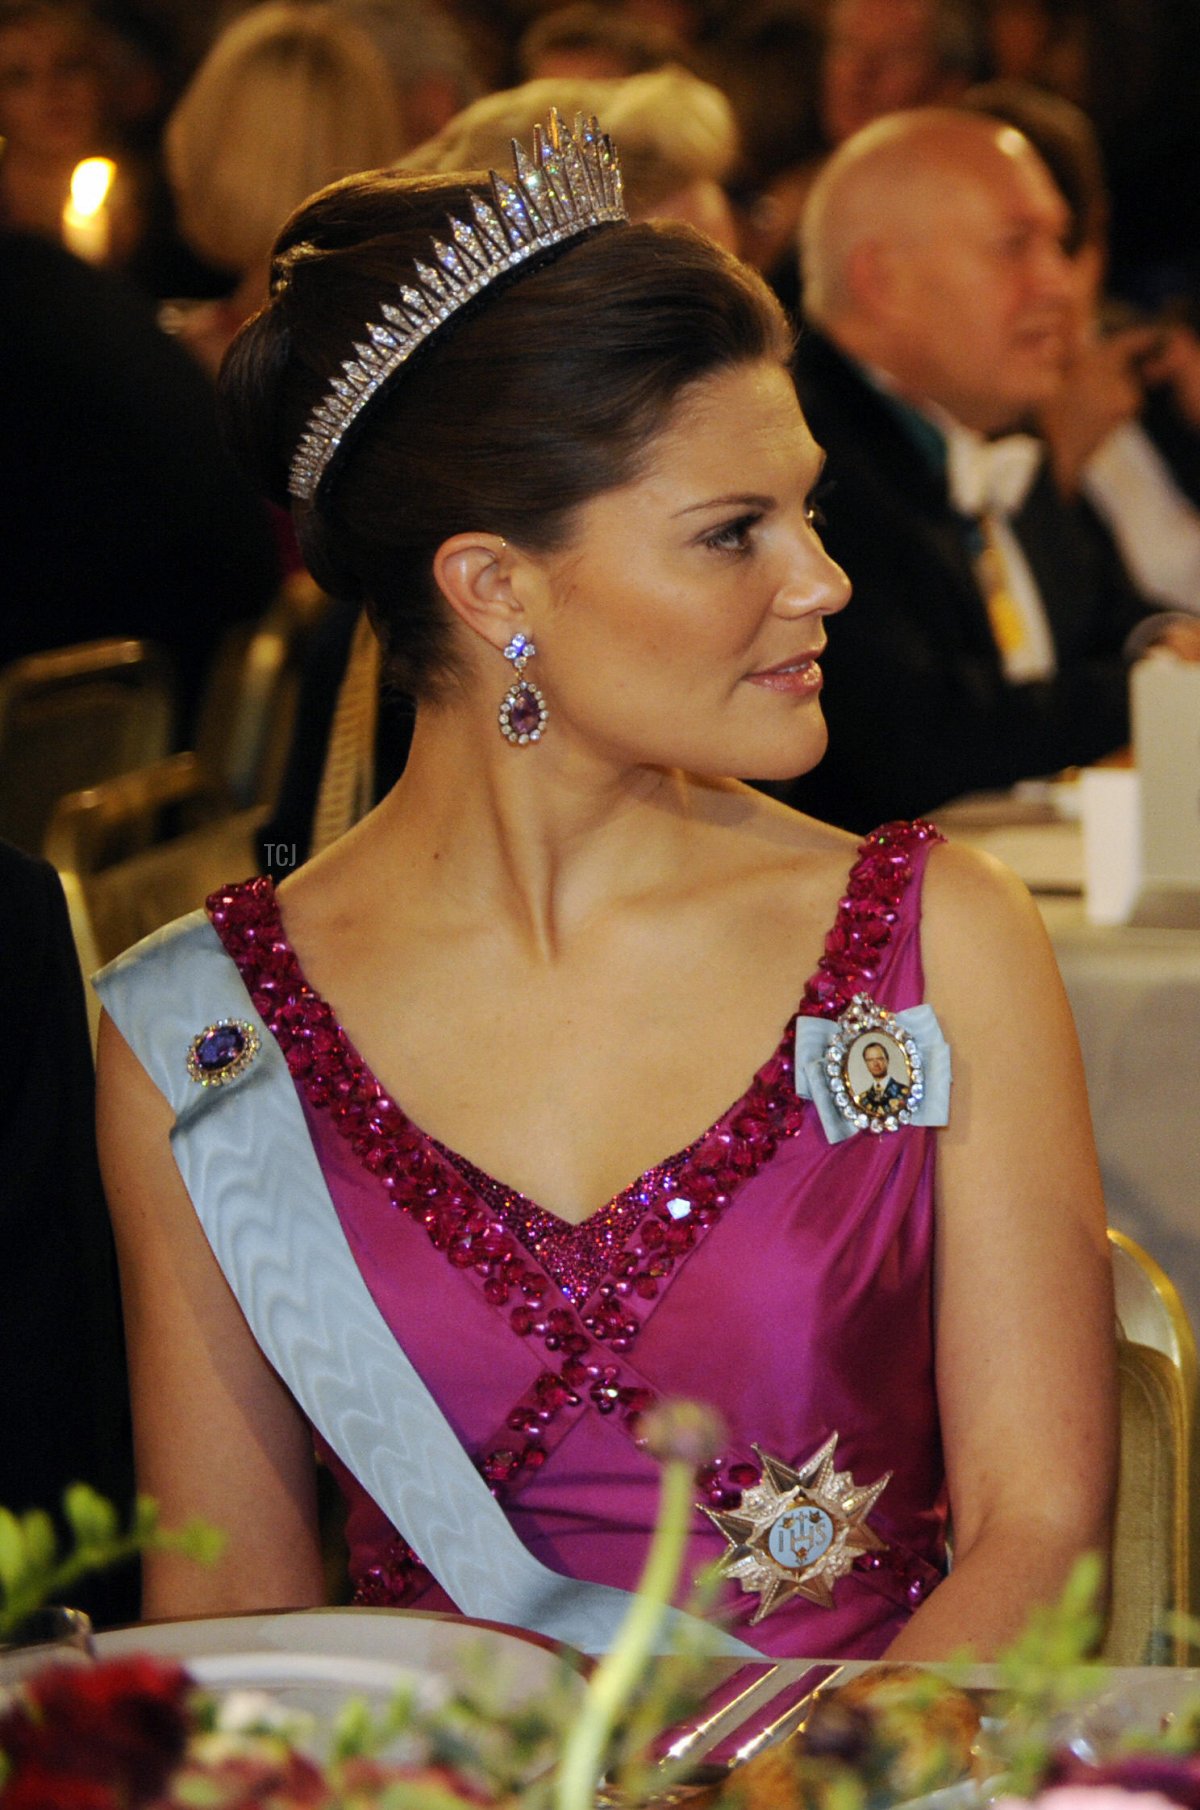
[[734, 537], [814, 515]]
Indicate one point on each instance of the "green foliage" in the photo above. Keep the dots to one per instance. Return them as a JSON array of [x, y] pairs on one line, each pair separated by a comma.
[[34, 1572], [412, 1794], [471, 1732], [612, 1733], [91, 1518]]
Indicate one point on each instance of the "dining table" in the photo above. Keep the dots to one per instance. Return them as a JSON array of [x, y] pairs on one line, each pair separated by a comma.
[[1134, 990], [313, 1661]]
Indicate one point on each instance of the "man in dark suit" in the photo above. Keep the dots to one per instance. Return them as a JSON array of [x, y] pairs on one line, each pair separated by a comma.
[[992, 622], [121, 508], [64, 1403]]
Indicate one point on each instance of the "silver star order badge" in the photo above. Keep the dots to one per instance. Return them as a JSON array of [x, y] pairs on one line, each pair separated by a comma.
[[798, 1530]]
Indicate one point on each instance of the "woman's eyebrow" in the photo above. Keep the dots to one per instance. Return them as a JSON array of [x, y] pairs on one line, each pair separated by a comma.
[[741, 500]]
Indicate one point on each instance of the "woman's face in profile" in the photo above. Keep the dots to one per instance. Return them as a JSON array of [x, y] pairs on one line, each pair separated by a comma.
[[681, 626]]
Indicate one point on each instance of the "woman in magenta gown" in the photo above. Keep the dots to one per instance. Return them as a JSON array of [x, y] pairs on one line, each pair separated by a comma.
[[567, 940]]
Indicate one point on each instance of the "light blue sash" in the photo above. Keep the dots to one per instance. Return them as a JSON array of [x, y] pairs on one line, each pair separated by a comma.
[[248, 1164]]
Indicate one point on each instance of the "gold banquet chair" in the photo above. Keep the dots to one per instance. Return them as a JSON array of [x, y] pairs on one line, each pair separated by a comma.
[[1151, 1559], [248, 710], [72, 717], [144, 848]]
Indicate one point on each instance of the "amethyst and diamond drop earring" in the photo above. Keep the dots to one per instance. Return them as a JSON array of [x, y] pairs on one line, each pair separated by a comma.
[[523, 710]]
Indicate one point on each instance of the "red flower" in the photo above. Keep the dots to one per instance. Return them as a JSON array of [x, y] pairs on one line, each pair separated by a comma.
[[35, 1789], [94, 1737], [1172, 1775]]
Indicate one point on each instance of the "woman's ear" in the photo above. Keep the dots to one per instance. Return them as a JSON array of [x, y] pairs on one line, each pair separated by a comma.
[[485, 581]]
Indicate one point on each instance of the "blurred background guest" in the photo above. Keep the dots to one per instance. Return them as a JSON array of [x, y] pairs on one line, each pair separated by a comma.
[[122, 512], [79, 82], [53, 108], [64, 1407], [764, 57], [290, 97], [430, 58], [883, 56], [992, 616], [874, 57], [1095, 426], [590, 41], [678, 139], [1132, 65]]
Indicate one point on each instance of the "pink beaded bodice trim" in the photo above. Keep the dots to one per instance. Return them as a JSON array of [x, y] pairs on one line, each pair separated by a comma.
[[608, 1271], [699, 1178]]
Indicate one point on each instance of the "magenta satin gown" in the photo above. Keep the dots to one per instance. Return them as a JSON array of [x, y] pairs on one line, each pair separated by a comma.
[[784, 1280]]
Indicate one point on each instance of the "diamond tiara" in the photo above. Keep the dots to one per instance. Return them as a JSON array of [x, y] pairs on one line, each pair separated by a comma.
[[571, 183]]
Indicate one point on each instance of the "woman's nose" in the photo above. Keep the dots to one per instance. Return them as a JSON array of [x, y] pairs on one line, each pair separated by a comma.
[[816, 584]]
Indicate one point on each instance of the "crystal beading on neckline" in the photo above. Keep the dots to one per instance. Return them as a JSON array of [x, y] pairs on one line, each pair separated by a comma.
[[609, 1270], [447, 1193]]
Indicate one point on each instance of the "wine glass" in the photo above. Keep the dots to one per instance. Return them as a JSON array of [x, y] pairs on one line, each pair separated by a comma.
[[50, 1636]]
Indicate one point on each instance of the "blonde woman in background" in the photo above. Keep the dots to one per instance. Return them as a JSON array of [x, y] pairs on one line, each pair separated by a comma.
[[435, 66], [289, 98], [678, 139]]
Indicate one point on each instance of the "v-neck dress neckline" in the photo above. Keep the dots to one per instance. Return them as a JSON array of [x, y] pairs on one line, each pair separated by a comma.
[[577, 1255]]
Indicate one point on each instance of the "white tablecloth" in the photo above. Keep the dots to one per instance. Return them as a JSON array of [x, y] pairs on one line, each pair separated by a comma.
[[1136, 998], [1135, 994]]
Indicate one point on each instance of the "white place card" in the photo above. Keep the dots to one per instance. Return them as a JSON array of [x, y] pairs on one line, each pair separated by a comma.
[[1110, 809], [1166, 740]]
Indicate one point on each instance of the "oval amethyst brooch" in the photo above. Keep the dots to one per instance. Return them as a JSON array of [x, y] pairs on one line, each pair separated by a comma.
[[222, 1052]]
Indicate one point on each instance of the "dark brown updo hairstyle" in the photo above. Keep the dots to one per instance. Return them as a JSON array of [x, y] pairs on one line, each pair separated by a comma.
[[545, 391]]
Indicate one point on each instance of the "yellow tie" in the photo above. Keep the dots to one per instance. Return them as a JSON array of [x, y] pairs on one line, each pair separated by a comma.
[[1009, 628], [348, 778]]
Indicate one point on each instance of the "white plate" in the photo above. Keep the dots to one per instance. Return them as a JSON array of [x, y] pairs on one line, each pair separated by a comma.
[[517, 1665], [313, 1661], [312, 1685]]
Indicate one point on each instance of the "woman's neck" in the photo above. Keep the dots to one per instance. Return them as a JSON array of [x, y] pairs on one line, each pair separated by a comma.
[[546, 836]]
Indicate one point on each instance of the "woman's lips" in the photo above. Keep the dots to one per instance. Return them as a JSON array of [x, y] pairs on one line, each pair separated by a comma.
[[801, 676]]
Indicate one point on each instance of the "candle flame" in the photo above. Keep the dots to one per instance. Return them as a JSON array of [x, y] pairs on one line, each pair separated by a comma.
[[90, 183]]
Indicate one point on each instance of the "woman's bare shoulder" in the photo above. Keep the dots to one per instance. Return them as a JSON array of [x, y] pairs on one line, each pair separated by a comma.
[[972, 902], [990, 969]]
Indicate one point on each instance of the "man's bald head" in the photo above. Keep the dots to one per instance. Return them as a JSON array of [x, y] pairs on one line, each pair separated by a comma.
[[885, 186], [931, 242]]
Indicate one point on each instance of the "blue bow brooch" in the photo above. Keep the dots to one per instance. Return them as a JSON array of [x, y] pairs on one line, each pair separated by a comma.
[[873, 1070]]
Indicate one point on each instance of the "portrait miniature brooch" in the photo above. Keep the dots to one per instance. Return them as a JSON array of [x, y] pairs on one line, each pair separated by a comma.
[[873, 1070]]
